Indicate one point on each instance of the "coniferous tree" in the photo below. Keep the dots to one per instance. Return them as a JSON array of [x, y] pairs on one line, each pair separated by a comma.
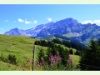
[[98, 41], [77, 52], [71, 51], [90, 59]]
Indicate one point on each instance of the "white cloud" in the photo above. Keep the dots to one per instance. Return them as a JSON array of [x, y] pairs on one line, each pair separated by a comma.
[[27, 22], [20, 20], [35, 21], [92, 22], [49, 19], [24, 21]]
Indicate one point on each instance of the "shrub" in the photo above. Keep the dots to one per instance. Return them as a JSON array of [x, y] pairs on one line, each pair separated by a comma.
[[70, 51], [12, 59], [77, 52]]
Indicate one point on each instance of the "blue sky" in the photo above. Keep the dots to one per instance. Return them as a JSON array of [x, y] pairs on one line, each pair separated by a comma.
[[29, 16]]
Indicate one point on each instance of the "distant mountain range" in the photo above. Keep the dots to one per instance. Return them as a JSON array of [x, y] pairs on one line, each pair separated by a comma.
[[68, 27]]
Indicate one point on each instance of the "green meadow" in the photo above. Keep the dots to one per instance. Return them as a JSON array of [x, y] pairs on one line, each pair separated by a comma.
[[22, 48]]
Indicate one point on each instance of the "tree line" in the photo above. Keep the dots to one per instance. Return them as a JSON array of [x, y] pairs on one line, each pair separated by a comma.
[[63, 42]]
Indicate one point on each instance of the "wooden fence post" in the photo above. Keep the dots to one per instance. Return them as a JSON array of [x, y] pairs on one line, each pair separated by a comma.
[[33, 58]]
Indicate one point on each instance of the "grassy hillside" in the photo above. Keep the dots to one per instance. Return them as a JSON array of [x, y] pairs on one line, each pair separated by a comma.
[[21, 47]]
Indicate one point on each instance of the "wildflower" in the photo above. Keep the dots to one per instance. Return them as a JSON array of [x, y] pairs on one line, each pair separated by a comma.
[[57, 53], [54, 59], [42, 61]]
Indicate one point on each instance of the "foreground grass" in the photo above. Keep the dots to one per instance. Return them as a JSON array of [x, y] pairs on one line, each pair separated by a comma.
[[8, 67], [22, 48], [19, 46]]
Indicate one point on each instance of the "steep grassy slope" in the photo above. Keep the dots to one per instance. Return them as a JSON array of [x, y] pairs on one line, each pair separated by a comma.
[[22, 48], [19, 46]]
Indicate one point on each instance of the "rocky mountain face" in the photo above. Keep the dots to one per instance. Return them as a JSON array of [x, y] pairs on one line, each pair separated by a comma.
[[16, 31], [69, 27]]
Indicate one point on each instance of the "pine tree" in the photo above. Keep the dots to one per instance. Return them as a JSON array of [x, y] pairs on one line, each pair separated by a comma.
[[90, 59], [71, 51]]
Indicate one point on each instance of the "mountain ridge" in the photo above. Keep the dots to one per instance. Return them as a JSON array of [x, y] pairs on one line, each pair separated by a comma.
[[68, 27]]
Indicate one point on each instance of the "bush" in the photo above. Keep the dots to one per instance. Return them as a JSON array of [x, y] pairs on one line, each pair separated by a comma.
[[55, 58], [70, 51], [77, 52], [12, 59]]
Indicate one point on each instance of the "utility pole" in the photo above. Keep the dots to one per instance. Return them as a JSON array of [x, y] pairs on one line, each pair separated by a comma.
[[33, 58]]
